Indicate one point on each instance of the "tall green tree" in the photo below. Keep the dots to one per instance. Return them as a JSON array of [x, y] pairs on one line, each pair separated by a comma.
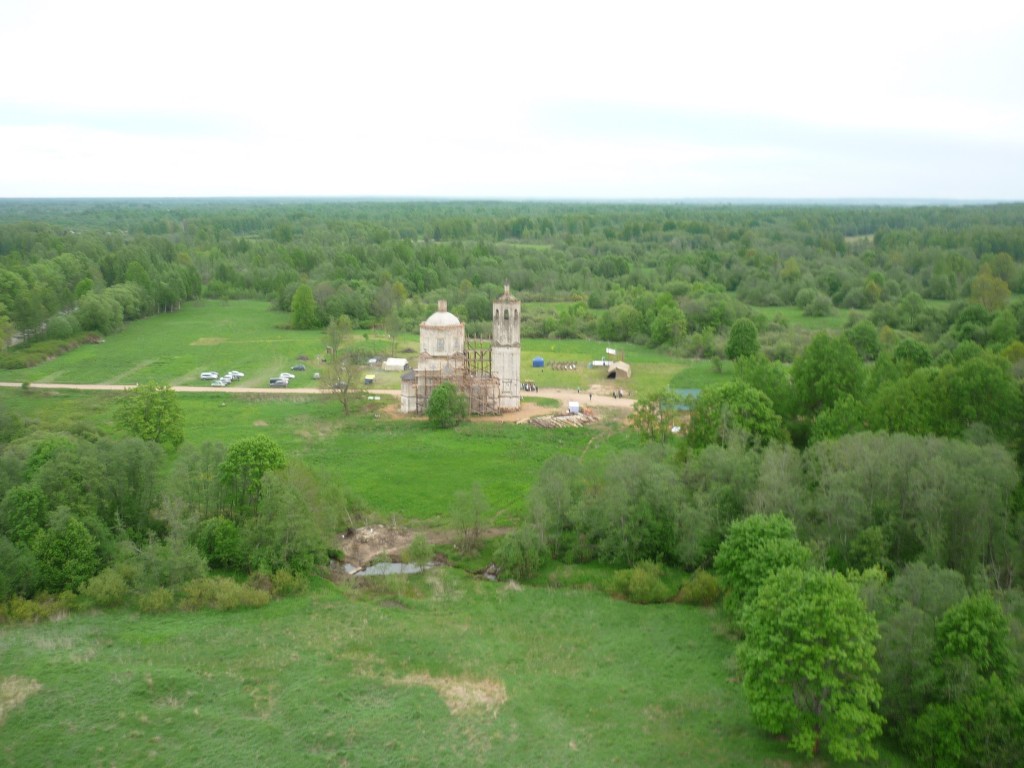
[[152, 413], [753, 549], [244, 466], [304, 314], [742, 339], [654, 415], [735, 408], [809, 669], [68, 555], [826, 370]]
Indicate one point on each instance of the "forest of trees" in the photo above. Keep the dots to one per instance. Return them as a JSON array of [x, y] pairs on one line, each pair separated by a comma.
[[874, 471], [669, 276]]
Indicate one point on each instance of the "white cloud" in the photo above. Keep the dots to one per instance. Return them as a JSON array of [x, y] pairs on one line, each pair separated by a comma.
[[657, 99]]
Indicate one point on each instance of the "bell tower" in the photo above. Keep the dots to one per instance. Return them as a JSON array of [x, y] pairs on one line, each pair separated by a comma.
[[505, 355]]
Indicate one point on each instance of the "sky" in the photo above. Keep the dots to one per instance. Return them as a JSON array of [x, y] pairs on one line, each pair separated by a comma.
[[731, 99]]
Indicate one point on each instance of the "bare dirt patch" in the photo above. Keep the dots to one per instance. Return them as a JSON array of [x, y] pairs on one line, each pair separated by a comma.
[[362, 545], [463, 696], [13, 692]]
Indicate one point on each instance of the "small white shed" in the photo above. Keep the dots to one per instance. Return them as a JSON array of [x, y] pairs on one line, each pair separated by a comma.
[[395, 364]]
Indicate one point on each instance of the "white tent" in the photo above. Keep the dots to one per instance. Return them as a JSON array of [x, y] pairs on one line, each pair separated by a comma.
[[395, 364]]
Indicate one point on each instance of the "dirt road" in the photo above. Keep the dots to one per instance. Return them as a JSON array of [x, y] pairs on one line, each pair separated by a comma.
[[595, 397]]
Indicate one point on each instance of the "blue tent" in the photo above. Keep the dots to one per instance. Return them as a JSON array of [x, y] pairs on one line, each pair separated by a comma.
[[538, 362]]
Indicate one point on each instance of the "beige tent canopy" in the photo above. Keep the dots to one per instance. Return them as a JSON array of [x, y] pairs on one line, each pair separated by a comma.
[[619, 370]]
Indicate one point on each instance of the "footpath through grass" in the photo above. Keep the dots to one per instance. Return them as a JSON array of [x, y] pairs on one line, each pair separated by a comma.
[[438, 669]]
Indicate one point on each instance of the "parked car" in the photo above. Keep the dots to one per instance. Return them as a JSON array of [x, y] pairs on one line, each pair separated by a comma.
[[286, 375], [299, 367], [236, 374], [218, 383], [209, 375], [279, 382]]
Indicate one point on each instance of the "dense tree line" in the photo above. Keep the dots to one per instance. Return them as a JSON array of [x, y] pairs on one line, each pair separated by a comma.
[[873, 578], [665, 275], [83, 505]]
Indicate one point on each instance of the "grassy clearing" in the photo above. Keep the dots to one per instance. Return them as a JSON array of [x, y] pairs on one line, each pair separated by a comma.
[[652, 370], [174, 348], [701, 374], [431, 670], [394, 468], [795, 317]]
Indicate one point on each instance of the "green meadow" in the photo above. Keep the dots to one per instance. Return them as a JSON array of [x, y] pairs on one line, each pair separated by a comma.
[[174, 348], [437, 669], [391, 468], [795, 317]]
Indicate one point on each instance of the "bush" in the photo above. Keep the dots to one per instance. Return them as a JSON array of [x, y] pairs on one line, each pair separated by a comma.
[[220, 594], [19, 571], [447, 407], [643, 583], [220, 541], [68, 555], [107, 589], [44, 606], [701, 589], [419, 551], [27, 356], [170, 563], [159, 600], [280, 583], [521, 554]]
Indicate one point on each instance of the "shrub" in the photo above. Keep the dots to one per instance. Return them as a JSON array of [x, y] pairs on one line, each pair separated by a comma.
[[701, 589], [419, 551], [19, 571], [447, 407], [42, 607], [158, 600], [170, 563], [280, 583], [521, 554], [107, 589], [221, 594], [19, 609], [68, 555], [643, 583], [220, 541]]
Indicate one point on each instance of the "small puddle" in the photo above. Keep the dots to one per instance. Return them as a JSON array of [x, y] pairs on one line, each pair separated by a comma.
[[390, 569]]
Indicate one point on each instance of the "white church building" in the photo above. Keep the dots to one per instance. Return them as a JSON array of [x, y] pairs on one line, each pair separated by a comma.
[[486, 373]]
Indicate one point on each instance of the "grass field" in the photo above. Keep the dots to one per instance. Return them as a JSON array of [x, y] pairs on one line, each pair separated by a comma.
[[796, 318], [393, 468], [439, 669], [173, 349]]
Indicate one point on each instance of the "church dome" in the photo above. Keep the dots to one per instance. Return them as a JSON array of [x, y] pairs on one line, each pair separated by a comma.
[[442, 318]]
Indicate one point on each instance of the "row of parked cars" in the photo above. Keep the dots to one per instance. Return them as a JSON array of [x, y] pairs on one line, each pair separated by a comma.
[[281, 380], [216, 380]]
